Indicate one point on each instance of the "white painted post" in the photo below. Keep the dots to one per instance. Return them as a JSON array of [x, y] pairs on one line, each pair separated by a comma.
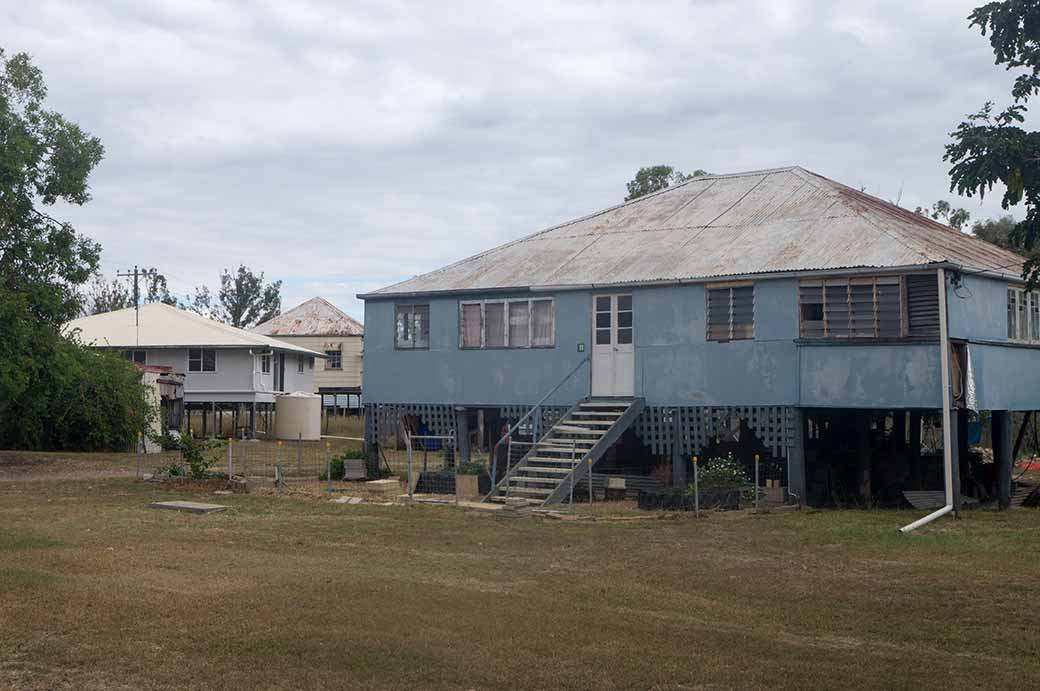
[[230, 468], [328, 465]]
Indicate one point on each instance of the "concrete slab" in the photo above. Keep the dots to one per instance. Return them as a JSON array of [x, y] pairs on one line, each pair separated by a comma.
[[189, 506]]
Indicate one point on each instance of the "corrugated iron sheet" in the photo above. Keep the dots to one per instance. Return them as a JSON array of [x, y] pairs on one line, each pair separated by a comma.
[[316, 317], [718, 226]]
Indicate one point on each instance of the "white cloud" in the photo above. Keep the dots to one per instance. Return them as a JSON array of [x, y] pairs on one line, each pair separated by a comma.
[[345, 146]]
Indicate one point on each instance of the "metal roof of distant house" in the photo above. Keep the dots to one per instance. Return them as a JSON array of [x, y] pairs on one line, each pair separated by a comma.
[[316, 317], [719, 226], [163, 326]]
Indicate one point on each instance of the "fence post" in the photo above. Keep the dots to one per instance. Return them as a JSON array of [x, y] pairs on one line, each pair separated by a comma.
[[139, 444], [408, 442], [299, 453], [756, 482], [328, 466], [573, 468], [696, 490], [590, 482], [230, 467], [278, 466]]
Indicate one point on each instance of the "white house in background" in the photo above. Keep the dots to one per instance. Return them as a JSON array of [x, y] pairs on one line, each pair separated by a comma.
[[225, 368], [319, 325]]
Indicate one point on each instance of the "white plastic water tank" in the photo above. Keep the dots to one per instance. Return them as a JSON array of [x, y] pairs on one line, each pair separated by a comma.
[[297, 414]]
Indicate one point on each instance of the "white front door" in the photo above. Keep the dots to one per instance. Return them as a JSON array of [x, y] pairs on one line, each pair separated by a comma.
[[613, 355]]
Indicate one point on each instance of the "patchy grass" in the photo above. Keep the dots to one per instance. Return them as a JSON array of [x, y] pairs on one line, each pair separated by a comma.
[[99, 592]]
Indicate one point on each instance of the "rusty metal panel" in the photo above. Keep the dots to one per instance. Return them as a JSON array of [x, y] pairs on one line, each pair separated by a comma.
[[780, 220], [316, 317]]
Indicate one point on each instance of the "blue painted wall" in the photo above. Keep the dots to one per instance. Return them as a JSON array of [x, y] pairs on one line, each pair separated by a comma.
[[447, 374], [977, 308], [676, 365], [1006, 377]]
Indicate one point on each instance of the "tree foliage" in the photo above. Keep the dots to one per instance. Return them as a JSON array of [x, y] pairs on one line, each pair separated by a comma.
[[244, 299], [996, 231], [54, 393], [107, 295], [990, 148], [656, 178], [943, 212]]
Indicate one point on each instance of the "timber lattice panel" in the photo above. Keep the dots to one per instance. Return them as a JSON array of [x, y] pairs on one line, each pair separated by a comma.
[[699, 426]]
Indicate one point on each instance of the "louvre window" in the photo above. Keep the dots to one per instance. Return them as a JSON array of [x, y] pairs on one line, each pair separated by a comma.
[[202, 360], [507, 323], [412, 327], [922, 305], [731, 313], [851, 308], [299, 364], [1023, 315], [265, 364]]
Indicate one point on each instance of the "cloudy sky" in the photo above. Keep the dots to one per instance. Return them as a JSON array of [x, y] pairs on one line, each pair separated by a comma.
[[343, 146]]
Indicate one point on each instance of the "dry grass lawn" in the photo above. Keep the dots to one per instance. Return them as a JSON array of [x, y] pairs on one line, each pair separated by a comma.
[[99, 592]]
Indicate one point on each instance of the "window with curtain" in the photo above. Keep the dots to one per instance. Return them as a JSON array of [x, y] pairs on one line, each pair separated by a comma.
[[471, 325], [412, 327], [507, 324], [1023, 315], [519, 324]]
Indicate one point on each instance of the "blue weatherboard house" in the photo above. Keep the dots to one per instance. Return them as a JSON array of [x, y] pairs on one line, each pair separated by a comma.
[[773, 313]]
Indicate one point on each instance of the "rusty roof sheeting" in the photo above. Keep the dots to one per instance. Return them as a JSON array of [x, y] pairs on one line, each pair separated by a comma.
[[717, 226], [316, 317]]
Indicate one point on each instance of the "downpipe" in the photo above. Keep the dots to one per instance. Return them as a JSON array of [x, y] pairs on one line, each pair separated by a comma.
[[944, 361]]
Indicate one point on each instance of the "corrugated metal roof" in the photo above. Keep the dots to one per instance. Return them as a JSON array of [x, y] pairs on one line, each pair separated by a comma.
[[316, 317], [717, 226], [163, 326]]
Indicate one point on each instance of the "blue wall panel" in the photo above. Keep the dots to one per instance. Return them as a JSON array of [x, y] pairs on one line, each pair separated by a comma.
[[1006, 377], [870, 376], [978, 309], [676, 365]]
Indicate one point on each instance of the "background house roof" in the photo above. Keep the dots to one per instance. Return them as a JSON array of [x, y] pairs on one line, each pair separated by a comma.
[[780, 220], [163, 326], [316, 317]]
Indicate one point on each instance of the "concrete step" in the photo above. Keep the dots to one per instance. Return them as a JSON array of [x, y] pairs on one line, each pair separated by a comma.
[[501, 499]]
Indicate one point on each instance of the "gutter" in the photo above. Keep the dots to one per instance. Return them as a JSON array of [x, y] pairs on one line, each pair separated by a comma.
[[944, 359]]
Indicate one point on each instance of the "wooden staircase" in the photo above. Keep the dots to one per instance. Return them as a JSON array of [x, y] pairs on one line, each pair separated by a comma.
[[568, 451]]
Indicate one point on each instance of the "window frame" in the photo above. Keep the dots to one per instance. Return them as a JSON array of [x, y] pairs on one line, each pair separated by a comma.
[[849, 332], [202, 360], [1025, 308], [337, 355], [131, 356], [729, 287], [506, 302], [410, 308], [265, 363], [300, 364]]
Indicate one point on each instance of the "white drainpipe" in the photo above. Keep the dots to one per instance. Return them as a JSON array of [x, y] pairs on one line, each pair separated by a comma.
[[944, 360]]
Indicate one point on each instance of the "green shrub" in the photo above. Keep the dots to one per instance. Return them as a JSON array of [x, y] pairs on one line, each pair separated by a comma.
[[200, 455], [338, 465], [721, 475], [75, 399]]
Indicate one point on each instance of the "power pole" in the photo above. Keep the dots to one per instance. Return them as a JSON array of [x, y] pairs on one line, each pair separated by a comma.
[[137, 299]]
